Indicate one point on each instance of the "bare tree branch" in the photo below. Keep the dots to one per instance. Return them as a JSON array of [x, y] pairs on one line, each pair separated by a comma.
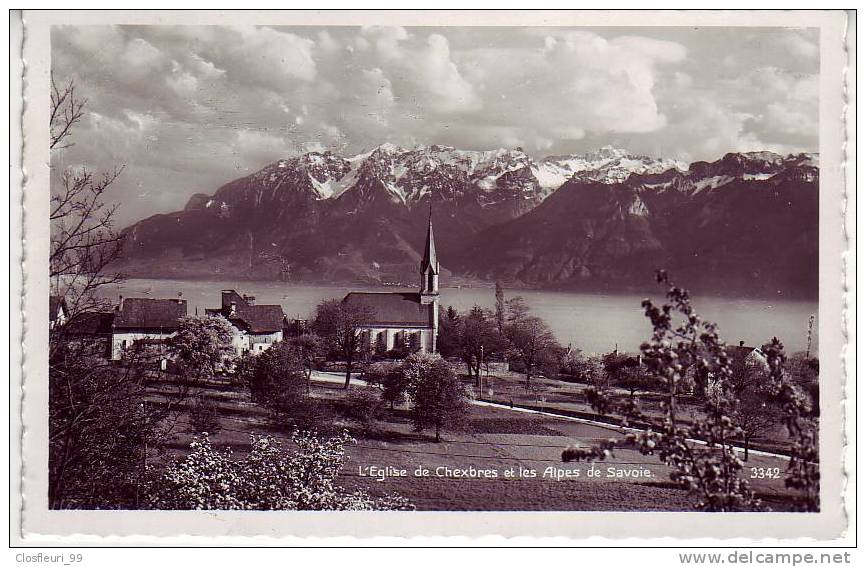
[[66, 112]]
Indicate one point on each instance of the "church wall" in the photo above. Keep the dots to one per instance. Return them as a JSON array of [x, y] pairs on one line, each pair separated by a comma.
[[390, 333]]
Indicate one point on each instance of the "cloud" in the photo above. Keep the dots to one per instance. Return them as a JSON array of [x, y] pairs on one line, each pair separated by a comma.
[[449, 91], [572, 83], [188, 108], [801, 45]]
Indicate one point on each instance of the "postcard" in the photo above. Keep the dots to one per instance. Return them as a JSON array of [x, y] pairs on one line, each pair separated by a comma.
[[544, 273]]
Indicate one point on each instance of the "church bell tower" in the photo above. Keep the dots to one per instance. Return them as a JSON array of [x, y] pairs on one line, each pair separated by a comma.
[[430, 264], [430, 279]]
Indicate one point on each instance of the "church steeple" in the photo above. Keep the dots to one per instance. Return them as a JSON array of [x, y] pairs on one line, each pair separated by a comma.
[[429, 263]]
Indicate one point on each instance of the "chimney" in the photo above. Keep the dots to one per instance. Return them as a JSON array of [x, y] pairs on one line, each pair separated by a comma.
[[742, 343], [250, 299]]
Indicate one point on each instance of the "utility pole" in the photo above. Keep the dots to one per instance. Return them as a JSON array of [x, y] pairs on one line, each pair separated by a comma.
[[809, 335], [480, 377]]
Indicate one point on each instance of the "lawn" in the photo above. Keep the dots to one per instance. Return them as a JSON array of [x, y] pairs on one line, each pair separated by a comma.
[[468, 469], [509, 388]]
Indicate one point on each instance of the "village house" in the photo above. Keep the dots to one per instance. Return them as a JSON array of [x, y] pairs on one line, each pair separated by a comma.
[[740, 359], [409, 319], [58, 312], [254, 327], [145, 321], [92, 330]]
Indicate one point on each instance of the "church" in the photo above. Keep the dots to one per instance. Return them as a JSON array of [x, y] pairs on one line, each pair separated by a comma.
[[409, 319]]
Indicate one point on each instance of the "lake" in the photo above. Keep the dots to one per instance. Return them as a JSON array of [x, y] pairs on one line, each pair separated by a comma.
[[592, 322]]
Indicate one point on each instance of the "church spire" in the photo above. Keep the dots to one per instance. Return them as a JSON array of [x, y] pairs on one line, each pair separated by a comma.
[[430, 262]]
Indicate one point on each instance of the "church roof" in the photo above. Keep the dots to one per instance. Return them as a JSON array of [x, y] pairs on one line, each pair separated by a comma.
[[430, 261], [402, 309]]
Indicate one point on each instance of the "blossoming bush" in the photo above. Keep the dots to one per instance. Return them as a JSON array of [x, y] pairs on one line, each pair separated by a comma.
[[681, 341], [269, 478]]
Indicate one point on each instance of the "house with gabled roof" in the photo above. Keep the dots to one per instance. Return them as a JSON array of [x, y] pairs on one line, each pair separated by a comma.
[[145, 321], [409, 319], [254, 327], [740, 358]]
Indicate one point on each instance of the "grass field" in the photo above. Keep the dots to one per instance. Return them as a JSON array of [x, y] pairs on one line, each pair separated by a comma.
[[568, 397], [469, 469]]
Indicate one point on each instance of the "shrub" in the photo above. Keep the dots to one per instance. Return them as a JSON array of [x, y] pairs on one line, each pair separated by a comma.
[[363, 405], [269, 478]]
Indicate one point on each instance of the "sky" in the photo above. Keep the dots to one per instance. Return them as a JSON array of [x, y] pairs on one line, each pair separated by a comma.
[[186, 109]]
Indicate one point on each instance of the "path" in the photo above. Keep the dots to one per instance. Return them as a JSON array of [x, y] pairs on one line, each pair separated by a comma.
[[338, 378]]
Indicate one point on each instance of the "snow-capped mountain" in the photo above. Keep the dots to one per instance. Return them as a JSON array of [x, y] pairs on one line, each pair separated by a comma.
[[410, 176], [747, 223], [606, 165], [499, 214]]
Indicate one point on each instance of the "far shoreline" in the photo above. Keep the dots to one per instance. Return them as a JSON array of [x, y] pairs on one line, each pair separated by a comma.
[[649, 291]]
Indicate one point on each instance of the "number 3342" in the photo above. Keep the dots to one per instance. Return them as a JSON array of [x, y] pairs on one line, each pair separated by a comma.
[[765, 472]]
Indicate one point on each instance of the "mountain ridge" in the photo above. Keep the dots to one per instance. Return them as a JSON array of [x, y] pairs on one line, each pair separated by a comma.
[[328, 218]]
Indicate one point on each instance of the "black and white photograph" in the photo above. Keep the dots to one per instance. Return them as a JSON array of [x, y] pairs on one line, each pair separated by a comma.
[[397, 268]]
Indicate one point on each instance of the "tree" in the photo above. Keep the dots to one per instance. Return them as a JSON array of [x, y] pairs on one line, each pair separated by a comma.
[[634, 378], [201, 345], [278, 380], [101, 429], [83, 242], [754, 406], [340, 324], [582, 368], [625, 371], [101, 426], [391, 378], [804, 469], [532, 344], [500, 308], [448, 339], [803, 372], [268, 478], [308, 348], [680, 341], [244, 370], [477, 340], [437, 394]]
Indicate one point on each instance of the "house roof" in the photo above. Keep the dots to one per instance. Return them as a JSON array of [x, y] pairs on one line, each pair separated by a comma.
[[247, 315], [260, 318], [142, 313], [55, 302], [98, 323], [393, 308], [738, 354]]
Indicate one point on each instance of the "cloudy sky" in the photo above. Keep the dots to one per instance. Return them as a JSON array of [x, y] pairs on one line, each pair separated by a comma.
[[190, 108]]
